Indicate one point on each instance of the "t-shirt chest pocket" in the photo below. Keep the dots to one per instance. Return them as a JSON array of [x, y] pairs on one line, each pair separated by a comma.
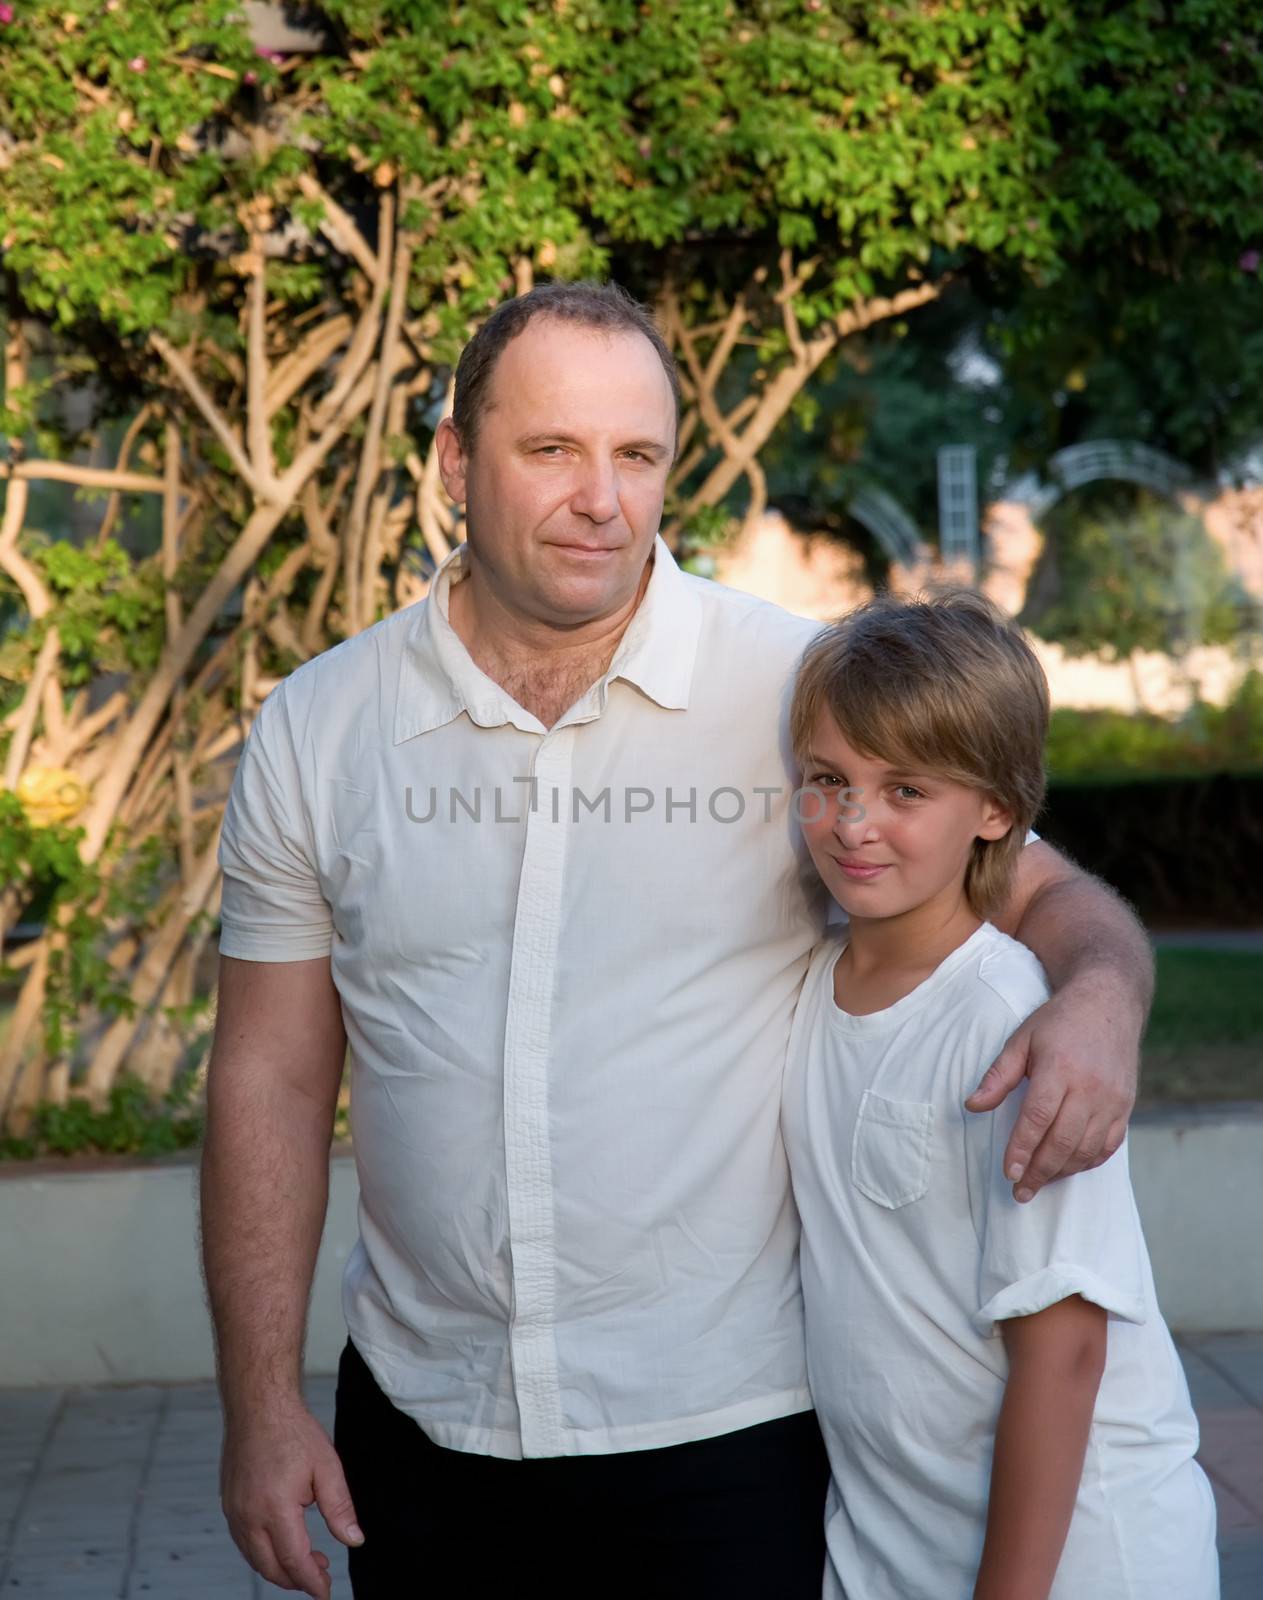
[[890, 1150]]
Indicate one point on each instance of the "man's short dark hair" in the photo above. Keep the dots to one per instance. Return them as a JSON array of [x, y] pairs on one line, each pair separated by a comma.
[[603, 306]]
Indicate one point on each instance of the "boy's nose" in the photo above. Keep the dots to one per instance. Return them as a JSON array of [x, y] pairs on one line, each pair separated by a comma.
[[853, 825]]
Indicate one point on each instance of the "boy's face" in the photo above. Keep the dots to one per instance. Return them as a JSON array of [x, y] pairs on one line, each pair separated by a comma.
[[911, 845]]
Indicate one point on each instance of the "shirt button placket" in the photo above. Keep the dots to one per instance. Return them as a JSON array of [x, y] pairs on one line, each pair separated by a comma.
[[527, 1144]]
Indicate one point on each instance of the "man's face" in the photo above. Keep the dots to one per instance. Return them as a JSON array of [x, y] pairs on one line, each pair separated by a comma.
[[912, 844], [564, 486]]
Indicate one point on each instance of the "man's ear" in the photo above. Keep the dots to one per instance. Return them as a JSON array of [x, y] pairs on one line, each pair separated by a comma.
[[997, 820], [453, 462]]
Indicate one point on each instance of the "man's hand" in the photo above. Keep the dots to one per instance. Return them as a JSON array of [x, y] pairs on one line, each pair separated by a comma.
[[1081, 1053], [272, 1467]]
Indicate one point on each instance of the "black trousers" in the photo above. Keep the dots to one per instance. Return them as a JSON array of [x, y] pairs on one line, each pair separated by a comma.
[[738, 1517]]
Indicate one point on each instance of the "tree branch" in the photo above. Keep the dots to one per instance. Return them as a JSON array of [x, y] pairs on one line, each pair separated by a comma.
[[340, 230], [114, 504], [262, 489], [257, 429], [28, 712], [289, 375]]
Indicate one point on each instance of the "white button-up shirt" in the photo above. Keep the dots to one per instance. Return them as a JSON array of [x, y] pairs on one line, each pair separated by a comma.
[[568, 959]]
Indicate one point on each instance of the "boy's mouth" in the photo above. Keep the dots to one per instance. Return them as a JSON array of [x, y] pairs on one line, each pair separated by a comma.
[[861, 871]]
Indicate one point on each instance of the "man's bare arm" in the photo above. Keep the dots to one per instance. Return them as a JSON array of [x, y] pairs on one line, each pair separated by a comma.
[[272, 1088], [1081, 1050]]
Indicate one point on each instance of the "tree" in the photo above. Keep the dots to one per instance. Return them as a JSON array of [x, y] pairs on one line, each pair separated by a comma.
[[1132, 574], [261, 270], [1147, 327]]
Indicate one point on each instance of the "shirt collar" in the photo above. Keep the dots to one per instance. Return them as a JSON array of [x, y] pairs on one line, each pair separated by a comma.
[[438, 679]]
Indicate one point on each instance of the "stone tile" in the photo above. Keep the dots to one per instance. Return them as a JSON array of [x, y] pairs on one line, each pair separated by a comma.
[[193, 1397], [192, 1462], [79, 1422], [1241, 1564], [29, 1585], [116, 1399], [165, 1510], [189, 1431], [190, 1586], [187, 1538], [199, 1486], [86, 1485], [1206, 1384], [70, 1576], [15, 1479], [1232, 1453], [1239, 1356], [83, 1531], [27, 1410], [189, 1573]]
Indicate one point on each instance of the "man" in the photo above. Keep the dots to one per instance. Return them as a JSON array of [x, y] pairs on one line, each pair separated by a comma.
[[529, 847]]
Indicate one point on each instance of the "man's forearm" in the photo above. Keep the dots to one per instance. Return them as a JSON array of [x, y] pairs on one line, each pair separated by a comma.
[[264, 1193], [1086, 937]]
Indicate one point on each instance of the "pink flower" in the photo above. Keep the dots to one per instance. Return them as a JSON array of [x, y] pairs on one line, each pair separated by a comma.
[[249, 77], [270, 55], [1250, 261], [6, 15], [137, 64]]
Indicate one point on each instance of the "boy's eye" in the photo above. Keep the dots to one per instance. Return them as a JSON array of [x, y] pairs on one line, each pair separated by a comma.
[[826, 780], [906, 791]]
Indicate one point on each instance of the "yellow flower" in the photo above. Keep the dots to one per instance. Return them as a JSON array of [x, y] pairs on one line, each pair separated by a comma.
[[51, 794]]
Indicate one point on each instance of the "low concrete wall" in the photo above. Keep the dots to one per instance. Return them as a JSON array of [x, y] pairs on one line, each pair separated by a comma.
[[99, 1279], [1198, 1176]]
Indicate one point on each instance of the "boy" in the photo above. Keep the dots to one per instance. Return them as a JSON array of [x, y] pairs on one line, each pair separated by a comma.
[[1004, 1410]]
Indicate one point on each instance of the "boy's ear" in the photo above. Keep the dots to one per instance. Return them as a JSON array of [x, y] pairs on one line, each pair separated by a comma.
[[997, 820]]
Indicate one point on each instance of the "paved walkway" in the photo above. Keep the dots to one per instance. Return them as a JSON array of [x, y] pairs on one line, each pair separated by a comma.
[[110, 1493]]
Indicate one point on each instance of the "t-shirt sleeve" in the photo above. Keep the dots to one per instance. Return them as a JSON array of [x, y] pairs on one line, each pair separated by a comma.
[[1080, 1235], [272, 908]]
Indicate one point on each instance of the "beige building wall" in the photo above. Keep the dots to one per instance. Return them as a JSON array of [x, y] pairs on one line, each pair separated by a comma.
[[817, 577]]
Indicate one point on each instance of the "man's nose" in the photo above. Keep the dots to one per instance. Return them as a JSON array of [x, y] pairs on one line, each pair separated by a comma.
[[596, 493]]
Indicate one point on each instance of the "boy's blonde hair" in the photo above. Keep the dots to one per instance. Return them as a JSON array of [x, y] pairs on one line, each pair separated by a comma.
[[945, 683]]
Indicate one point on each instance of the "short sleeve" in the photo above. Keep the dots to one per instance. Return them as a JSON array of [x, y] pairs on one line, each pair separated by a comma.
[[1080, 1235], [272, 908]]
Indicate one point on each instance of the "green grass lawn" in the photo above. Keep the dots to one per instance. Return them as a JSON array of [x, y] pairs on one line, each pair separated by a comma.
[[1205, 1038]]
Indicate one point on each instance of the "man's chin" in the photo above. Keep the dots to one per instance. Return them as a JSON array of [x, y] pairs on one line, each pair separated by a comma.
[[586, 591]]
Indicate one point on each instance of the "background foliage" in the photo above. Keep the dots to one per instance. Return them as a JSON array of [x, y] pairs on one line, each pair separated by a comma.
[[236, 283]]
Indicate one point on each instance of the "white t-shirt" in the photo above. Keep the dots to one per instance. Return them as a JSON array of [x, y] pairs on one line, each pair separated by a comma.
[[914, 1249]]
